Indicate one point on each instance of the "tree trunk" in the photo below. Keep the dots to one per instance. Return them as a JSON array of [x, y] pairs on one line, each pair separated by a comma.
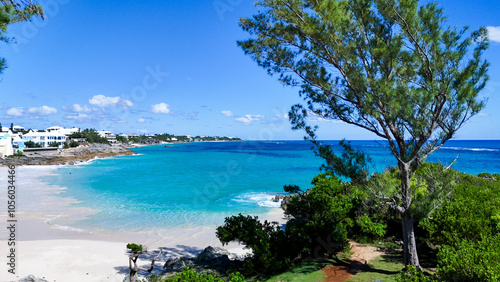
[[410, 246], [409, 243]]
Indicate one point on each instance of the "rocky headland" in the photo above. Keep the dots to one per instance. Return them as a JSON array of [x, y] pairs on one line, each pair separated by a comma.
[[68, 156]]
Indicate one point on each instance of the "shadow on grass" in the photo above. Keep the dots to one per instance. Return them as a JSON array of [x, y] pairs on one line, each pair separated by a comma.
[[388, 264], [309, 266], [305, 267]]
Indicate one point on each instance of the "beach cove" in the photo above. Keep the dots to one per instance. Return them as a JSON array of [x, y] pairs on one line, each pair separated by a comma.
[[74, 221], [62, 253]]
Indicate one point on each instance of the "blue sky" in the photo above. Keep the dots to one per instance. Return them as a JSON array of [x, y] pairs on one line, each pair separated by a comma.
[[174, 66]]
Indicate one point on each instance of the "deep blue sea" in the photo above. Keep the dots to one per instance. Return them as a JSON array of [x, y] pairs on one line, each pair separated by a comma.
[[193, 184]]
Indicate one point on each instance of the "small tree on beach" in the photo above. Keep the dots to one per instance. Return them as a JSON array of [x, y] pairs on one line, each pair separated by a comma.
[[138, 250], [390, 67]]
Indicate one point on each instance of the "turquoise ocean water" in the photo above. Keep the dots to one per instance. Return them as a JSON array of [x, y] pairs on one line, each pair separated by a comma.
[[194, 184]]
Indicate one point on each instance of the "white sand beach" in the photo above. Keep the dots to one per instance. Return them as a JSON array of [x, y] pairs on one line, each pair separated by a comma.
[[58, 252]]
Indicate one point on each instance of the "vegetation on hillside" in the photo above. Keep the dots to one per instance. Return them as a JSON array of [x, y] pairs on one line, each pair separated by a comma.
[[165, 137], [457, 218], [90, 135]]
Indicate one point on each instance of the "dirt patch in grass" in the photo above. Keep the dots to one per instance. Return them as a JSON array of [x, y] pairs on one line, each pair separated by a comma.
[[347, 268]]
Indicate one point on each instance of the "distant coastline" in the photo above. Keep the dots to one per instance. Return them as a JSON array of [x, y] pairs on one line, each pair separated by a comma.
[[86, 152], [69, 156]]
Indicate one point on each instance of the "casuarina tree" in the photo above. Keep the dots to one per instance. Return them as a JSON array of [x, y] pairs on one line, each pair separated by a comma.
[[391, 67], [12, 11]]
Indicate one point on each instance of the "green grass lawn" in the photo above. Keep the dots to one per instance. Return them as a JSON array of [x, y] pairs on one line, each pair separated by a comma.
[[307, 271], [385, 267]]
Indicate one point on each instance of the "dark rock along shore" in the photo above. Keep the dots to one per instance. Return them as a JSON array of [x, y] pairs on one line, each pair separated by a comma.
[[70, 155]]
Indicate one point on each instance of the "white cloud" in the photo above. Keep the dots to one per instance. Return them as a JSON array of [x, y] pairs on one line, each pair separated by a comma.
[[321, 119], [161, 108], [43, 110], [227, 113], [141, 120], [79, 117], [142, 131], [110, 102], [494, 33], [16, 112], [483, 115], [249, 118], [77, 108]]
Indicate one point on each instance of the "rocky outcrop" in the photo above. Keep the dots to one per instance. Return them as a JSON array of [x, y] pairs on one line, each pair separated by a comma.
[[213, 258], [210, 260], [149, 141], [177, 264], [69, 156], [285, 199], [32, 278]]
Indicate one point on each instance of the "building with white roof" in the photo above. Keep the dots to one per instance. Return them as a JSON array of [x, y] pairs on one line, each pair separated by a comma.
[[62, 130], [108, 135], [45, 138], [17, 128], [6, 144], [18, 142]]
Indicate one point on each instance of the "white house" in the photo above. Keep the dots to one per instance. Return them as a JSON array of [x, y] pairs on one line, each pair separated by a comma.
[[17, 128], [54, 128], [108, 135], [45, 138], [18, 143], [6, 144], [62, 130]]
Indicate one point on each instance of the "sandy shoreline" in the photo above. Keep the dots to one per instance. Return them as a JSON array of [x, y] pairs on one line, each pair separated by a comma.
[[58, 252]]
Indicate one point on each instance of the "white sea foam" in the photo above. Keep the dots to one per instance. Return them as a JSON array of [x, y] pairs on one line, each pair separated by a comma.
[[87, 162], [41, 200], [66, 228], [260, 199], [471, 149]]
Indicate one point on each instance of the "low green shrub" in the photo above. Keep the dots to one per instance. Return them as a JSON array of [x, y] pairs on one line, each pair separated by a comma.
[[465, 229], [31, 144], [470, 260], [54, 144], [189, 275], [320, 218], [318, 228], [73, 144], [411, 274], [485, 175], [18, 154], [270, 248], [473, 212], [369, 226]]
